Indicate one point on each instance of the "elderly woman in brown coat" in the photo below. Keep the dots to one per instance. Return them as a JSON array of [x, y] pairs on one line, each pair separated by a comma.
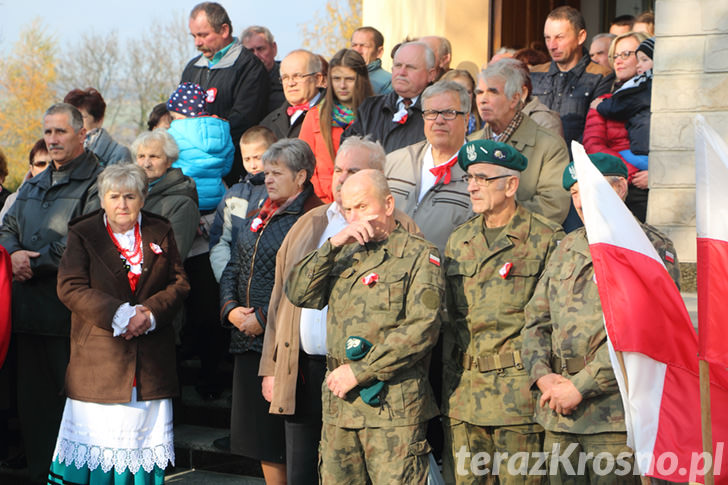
[[122, 278]]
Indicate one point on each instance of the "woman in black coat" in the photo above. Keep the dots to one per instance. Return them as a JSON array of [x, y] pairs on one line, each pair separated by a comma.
[[245, 289]]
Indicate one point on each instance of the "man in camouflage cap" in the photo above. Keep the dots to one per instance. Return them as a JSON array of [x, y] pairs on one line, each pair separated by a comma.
[[384, 285], [565, 351], [492, 263]]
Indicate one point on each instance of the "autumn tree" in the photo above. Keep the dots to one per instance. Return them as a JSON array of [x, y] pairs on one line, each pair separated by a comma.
[[95, 61], [331, 30], [155, 62], [27, 77]]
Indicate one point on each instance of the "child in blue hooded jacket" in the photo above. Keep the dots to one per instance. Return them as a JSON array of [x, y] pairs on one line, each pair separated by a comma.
[[206, 148]]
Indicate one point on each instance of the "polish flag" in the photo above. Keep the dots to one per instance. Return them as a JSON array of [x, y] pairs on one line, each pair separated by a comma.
[[6, 282], [711, 184], [652, 343]]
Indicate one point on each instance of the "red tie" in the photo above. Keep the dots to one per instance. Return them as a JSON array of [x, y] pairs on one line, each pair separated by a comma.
[[299, 107], [442, 171]]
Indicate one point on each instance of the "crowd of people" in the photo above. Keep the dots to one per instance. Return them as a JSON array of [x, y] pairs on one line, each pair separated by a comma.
[[394, 260]]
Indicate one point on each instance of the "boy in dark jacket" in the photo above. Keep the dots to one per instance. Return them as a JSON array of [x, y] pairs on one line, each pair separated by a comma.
[[241, 198]]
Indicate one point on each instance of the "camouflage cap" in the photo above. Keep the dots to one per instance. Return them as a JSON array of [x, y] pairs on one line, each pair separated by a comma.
[[606, 163], [489, 151]]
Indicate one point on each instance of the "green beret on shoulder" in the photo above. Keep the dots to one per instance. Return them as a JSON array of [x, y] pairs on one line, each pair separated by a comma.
[[489, 151], [607, 164]]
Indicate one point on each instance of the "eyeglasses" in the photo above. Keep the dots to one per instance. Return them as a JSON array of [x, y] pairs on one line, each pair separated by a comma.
[[447, 114], [481, 179], [296, 78], [622, 55]]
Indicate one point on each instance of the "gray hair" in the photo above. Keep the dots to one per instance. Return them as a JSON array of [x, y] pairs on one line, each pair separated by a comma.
[[429, 55], [604, 35], [505, 50], [295, 154], [169, 146], [511, 71], [74, 115], [506, 171], [255, 30], [377, 156], [129, 176], [314, 61], [441, 87]]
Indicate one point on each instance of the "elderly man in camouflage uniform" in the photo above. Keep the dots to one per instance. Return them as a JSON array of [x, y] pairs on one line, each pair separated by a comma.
[[565, 351], [492, 263], [384, 286]]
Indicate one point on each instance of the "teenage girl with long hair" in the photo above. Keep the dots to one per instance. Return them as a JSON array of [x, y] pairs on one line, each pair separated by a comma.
[[348, 85]]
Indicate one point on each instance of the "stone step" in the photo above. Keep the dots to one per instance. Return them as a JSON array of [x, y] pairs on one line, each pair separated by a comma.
[[190, 408], [204, 477], [194, 449]]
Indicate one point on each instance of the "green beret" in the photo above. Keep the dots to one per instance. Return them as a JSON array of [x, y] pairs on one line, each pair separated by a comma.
[[606, 163], [489, 151]]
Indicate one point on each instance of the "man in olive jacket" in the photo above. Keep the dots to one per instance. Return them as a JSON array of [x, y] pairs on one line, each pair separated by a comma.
[[492, 263], [383, 285], [34, 233]]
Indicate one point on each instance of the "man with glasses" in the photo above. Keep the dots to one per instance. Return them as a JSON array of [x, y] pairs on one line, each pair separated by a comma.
[[300, 75], [571, 81], [499, 96], [395, 119], [235, 81], [492, 263], [425, 181]]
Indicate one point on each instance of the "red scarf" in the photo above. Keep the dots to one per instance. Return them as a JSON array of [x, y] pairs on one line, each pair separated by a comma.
[[442, 171], [132, 257], [269, 208]]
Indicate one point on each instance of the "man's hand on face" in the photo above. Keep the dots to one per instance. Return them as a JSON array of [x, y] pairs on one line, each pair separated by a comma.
[[361, 231]]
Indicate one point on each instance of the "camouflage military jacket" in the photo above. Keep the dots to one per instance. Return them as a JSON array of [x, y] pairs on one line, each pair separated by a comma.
[[564, 320], [485, 309], [398, 314]]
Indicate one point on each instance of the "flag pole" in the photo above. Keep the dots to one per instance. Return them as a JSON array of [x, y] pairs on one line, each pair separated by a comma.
[[705, 420]]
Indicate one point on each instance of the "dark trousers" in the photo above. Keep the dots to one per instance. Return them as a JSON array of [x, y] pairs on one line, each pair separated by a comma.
[[42, 362], [303, 429], [203, 334]]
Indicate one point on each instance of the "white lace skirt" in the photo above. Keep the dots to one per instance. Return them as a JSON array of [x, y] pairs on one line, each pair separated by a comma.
[[129, 436]]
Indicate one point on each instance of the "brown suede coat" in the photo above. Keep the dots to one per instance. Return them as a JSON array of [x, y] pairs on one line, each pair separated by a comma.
[[92, 283]]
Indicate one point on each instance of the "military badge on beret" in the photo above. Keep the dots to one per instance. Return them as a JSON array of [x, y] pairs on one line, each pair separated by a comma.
[[489, 151], [471, 152]]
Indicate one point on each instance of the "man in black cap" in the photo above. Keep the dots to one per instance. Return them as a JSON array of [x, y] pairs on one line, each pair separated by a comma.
[[493, 263]]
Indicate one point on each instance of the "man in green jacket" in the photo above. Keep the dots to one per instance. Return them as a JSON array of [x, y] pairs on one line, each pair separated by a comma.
[[492, 263], [384, 285]]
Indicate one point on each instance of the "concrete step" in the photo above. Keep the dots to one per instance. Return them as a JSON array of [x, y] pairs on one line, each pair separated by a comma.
[[194, 449], [190, 408], [204, 477]]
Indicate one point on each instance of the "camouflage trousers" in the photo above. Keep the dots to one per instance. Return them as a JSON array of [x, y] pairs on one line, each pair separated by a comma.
[[476, 454], [600, 458], [396, 455]]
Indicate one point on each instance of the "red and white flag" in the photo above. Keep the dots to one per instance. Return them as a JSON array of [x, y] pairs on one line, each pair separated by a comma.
[[647, 322], [6, 283], [711, 217]]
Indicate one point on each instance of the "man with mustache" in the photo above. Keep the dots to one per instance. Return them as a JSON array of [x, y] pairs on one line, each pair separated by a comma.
[[235, 81], [395, 119], [34, 233]]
